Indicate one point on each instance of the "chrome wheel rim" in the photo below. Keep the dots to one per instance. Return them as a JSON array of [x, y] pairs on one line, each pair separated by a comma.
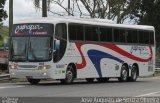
[[69, 75], [124, 74]]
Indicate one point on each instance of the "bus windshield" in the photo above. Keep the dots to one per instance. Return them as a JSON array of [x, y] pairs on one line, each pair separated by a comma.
[[31, 42], [30, 49], [18, 48], [39, 49]]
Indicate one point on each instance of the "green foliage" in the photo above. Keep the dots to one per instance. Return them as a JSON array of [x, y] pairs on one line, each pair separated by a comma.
[[150, 15], [3, 14], [4, 33]]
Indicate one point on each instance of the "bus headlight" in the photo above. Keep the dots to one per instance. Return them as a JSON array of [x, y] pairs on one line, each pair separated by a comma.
[[13, 66], [44, 67]]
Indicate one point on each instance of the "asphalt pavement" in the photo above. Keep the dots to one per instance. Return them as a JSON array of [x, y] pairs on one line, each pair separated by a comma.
[[144, 87]]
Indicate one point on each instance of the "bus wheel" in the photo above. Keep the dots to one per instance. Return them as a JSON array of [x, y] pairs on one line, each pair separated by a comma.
[[90, 80], [33, 81], [134, 74], [70, 75], [124, 74]]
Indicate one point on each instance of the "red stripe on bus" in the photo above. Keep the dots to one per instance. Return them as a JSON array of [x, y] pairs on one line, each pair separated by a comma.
[[114, 48], [83, 64], [126, 54]]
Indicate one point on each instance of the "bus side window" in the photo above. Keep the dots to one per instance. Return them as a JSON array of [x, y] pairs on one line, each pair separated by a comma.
[[119, 35], [143, 37], [92, 33], [88, 33], [61, 35], [151, 37], [72, 31], [132, 36], [76, 32], [80, 32], [106, 34]]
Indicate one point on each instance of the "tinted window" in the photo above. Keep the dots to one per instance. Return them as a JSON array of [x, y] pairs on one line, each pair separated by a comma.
[[144, 37], [119, 35], [92, 33], [61, 34], [61, 31], [106, 34], [76, 32], [132, 36], [151, 37]]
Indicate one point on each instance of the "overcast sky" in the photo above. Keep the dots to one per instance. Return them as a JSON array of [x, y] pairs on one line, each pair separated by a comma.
[[24, 9]]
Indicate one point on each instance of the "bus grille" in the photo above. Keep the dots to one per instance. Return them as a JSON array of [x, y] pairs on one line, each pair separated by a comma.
[[27, 66]]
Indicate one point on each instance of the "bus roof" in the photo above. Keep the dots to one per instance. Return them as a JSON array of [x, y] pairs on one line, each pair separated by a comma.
[[101, 22]]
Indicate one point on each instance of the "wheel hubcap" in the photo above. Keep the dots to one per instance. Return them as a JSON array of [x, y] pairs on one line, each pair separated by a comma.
[[124, 74], [69, 75]]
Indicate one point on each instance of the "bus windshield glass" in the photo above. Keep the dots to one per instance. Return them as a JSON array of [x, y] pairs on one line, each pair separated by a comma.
[[31, 42], [30, 48], [18, 48], [39, 49]]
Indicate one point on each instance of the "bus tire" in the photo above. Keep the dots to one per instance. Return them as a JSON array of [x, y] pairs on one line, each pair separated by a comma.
[[134, 74], [90, 80], [33, 81], [70, 75], [124, 74]]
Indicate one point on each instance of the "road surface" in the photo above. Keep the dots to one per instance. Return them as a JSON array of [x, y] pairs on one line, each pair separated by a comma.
[[144, 87]]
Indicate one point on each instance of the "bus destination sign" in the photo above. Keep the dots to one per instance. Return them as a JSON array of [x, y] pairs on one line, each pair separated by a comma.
[[32, 29]]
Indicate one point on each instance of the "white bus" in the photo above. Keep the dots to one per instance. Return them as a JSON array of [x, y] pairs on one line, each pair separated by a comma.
[[69, 48]]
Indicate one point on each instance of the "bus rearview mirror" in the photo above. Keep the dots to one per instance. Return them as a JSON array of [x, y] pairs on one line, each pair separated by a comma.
[[57, 44]]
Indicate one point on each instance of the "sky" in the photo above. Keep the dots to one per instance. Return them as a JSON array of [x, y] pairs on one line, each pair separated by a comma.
[[24, 9]]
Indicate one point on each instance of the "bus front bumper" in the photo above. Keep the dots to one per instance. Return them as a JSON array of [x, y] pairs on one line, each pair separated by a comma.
[[35, 74]]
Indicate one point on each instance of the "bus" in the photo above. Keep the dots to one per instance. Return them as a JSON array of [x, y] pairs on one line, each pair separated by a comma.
[[76, 48]]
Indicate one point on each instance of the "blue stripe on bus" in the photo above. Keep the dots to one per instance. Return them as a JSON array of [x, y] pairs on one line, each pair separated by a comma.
[[96, 56]]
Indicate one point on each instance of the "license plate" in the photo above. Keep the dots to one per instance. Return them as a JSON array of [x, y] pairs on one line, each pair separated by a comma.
[[29, 77]]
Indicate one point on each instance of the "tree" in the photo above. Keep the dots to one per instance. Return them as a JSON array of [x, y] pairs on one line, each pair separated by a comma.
[[3, 14], [150, 15], [117, 10], [45, 6]]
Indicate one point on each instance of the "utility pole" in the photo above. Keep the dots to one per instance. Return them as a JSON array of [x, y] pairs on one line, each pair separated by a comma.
[[44, 8], [10, 16], [69, 7]]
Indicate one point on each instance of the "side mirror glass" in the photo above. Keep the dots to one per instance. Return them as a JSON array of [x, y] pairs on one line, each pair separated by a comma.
[[57, 44]]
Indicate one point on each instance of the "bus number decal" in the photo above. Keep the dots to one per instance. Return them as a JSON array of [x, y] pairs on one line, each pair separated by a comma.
[[60, 66]]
